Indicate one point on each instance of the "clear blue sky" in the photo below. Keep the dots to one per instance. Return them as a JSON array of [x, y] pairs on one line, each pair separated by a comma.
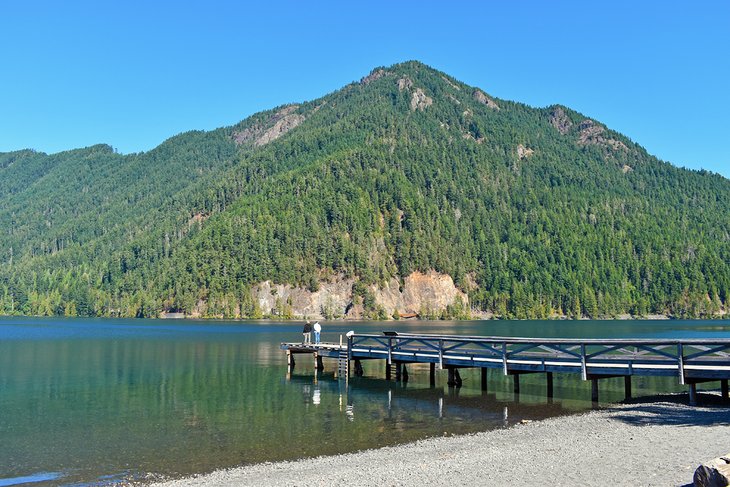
[[133, 73]]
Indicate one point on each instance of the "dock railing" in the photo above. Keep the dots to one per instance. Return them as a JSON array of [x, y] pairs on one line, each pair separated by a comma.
[[685, 358], [691, 361]]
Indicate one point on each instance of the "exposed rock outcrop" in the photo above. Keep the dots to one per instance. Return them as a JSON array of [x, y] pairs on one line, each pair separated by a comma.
[[482, 98], [404, 83], [470, 136], [431, 291], [451, 83], [419, 100], [282, 126], [593, 134], [523, 152], [278, 124], [330, 300], [559, 119], [374, 76]]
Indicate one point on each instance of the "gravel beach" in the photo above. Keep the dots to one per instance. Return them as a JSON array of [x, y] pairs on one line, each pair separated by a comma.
[[652, 442]]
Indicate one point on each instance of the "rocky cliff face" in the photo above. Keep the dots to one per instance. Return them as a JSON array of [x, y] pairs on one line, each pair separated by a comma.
[[431, 292], [329, 301], [421, 292]]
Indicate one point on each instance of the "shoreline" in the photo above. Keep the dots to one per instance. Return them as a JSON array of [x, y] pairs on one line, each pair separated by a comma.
[[649, 441]]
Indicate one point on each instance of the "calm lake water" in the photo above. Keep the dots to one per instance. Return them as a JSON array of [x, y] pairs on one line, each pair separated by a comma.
[[91, 401]]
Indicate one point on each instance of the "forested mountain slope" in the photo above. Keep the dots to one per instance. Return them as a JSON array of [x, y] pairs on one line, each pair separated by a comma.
[[532, 212]]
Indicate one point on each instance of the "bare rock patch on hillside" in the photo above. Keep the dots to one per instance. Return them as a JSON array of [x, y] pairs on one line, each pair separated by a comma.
[[451, 83], [419, 100], [559, 119], [524, 152], [593, 134], [277, 125], [432, 291], [374, 76], [332, 298], [482, 98], [404, 83]]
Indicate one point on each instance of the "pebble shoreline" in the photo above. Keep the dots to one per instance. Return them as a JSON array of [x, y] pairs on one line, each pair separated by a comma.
[[656, 443]]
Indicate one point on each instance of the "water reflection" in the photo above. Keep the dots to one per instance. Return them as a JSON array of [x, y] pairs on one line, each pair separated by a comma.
[[90, 398], [405, 407]]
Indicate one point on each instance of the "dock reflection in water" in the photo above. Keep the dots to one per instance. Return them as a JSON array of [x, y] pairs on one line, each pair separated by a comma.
[[437, 410]]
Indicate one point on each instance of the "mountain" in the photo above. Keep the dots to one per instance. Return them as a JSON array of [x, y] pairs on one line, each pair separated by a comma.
[[405, 192]]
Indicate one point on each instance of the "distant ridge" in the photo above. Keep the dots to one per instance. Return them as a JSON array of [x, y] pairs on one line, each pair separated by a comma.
[[406, 192]]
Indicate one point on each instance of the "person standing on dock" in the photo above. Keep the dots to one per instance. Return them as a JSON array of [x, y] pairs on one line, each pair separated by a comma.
[[307, 332], [317, 330]]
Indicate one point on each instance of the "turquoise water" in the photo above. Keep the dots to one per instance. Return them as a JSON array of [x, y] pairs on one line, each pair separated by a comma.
[[103, 401]]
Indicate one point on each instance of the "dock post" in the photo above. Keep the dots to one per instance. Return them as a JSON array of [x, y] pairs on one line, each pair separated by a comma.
[[451, 380], [693, 394], [594, 390], [397, 371], [290, 359], [484, 379], [454, 377], [387, 370], [549, 385], [358, 368], [627, 387], [432, 375], [723, 389], [319, 364], [680, 363], [404, 374], [516, 379]]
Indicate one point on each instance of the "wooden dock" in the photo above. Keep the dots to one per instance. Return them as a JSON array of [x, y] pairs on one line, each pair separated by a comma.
[[691, 361]]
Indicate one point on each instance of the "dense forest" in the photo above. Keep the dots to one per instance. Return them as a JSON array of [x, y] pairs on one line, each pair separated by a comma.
[[534, 212]]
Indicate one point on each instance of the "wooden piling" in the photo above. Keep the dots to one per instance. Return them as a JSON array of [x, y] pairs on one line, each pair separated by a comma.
[[724, 389], [516, 379], [549, 385], [692, 394], [594, 390], [432, 374], [627, 387], [484, 379]]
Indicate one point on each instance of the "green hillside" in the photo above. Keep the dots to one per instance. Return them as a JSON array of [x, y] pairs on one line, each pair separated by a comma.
[[533, 212]]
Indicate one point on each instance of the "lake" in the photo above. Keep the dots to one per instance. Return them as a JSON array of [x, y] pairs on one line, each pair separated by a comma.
[[98, 401]]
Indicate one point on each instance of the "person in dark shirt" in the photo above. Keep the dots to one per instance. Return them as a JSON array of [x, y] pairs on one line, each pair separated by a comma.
[[307, 332]]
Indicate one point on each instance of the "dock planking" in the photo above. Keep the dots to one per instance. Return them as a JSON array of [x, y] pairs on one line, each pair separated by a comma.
[[692, 361]]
